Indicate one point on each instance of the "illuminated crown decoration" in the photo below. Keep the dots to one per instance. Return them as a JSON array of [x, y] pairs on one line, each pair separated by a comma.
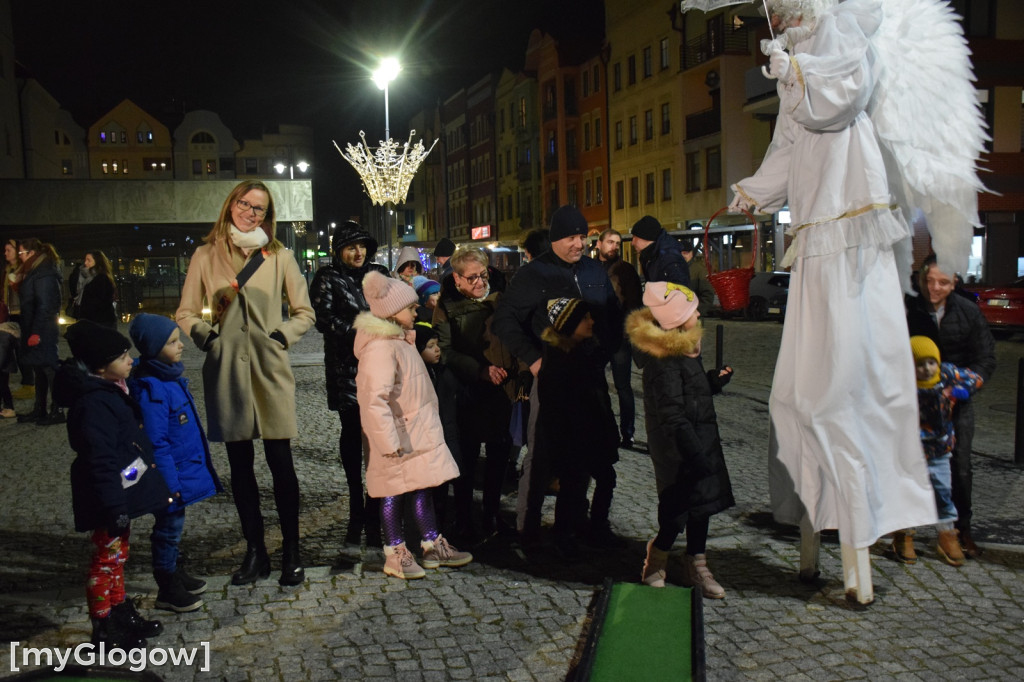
[[387, 172]]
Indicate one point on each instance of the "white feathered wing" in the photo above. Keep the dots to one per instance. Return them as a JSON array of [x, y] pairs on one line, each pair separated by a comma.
[[926, 112]]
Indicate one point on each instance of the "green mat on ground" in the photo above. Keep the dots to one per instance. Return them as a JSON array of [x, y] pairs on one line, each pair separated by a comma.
[[646, 633]]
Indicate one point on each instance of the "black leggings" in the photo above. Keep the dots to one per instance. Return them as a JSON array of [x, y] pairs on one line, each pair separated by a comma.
[[696, 533], [362, 509], [246, 492]]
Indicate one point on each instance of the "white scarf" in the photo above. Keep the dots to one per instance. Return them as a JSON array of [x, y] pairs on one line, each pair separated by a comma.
[[249, 241]]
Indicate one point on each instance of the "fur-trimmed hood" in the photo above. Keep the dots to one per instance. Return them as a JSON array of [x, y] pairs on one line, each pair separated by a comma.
[[646, 336], [559, 341], [370, 328]]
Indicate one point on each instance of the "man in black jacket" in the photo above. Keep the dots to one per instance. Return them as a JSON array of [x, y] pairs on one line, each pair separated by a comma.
[[958, 328], [521, 318], [660, 259]]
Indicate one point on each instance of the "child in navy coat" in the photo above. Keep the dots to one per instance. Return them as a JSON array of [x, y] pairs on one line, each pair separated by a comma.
[[113, 477], [180, 449]]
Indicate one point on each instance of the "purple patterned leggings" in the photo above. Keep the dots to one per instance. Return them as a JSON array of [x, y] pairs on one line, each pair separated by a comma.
[[392, 509]]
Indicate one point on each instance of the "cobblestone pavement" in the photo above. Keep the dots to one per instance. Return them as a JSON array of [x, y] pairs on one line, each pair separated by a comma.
[[512, 617]]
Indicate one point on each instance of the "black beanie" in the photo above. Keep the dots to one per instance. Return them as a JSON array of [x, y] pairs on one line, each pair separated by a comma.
[[565, 222], [647, 228], [424, 332], [445, 248], [95, 345]]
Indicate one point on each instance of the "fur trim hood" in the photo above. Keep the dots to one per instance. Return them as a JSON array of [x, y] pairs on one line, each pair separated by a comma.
[[370, 328], [646, 336], [559, 341]]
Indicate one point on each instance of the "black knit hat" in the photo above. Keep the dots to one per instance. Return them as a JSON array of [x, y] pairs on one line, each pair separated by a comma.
[[351, 232], [566, 314], [647, 228], [445, 248], [95, 345], [565, 222], [424, 332]]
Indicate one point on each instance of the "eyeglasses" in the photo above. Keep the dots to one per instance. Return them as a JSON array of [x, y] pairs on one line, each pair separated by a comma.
[[472, 279], [258, 211]]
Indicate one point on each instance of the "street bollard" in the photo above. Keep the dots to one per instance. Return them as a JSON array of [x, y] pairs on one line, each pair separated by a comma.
[[1018, 441], [719, 336]]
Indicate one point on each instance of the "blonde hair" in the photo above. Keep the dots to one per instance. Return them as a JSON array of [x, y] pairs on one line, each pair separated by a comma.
[[466, 254], [222, 228]]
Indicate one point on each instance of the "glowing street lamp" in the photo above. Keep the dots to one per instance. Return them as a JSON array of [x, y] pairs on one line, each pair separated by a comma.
[[280, 168], [384, 74]]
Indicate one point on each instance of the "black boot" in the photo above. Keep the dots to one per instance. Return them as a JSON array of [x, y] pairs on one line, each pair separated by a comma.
[[127, 616], [354, 531], [255, 565], [172, 595], [109, 632], [56, 416], [190, 583], [292, 572], [32, 417]]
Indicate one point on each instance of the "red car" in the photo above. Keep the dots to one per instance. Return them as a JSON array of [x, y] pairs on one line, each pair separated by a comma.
[[1003, 307]]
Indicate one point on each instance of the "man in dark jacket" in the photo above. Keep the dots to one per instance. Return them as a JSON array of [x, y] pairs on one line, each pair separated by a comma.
[[627, 287], [442, 252], [521, 317], [336, 293], [958, 328], [660, 258]]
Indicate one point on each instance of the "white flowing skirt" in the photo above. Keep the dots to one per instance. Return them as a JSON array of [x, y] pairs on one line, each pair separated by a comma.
[[846, 446]]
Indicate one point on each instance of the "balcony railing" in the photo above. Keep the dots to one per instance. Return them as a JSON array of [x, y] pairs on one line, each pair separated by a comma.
[[703, 123], [710, 45]]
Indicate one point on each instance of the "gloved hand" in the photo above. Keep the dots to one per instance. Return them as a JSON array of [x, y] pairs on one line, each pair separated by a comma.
[[739, 204], [718, 378], [780, 66], [279, 337], [33, 341], [209, 341]]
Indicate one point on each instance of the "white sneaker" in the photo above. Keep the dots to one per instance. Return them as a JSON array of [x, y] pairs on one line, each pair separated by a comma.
[[400, 563]]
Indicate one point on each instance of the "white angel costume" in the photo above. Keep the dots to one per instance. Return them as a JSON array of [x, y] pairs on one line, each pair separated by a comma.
[[844, 399]]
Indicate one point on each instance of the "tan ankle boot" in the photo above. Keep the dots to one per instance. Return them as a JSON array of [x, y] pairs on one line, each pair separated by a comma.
[[698, 575], [949, 548], [903, 546], [654, 566]]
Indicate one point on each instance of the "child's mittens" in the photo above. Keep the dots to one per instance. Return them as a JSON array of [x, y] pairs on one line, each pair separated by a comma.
[[33, 340], [960, 393], [718, 378]]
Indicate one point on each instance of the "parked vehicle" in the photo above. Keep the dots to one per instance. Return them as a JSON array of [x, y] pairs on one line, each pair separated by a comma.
[[1003, 307], [768, 294]]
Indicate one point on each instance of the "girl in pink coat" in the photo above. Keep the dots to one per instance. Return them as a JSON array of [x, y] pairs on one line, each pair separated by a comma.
[[399, 413]]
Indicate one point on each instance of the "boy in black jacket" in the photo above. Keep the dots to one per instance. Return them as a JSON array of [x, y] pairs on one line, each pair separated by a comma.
[[577, 425], [113, 478]]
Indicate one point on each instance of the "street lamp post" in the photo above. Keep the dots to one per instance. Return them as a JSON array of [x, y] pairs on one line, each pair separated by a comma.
[[302, 166], [382, 76]]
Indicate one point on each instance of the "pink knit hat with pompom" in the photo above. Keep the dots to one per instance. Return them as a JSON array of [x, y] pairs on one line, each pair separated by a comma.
[[386, 296]]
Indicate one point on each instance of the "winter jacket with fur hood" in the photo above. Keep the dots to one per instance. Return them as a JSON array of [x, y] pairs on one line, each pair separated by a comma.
[[105, 430], [399, 412], [336, 294], [682, 427]]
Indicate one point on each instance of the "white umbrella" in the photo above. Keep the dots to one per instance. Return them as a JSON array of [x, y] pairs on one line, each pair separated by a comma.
[[711, 5]]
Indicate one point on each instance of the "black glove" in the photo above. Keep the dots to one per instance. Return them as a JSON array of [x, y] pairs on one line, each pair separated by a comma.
[[719, 378], [279, 337], [209, 341], [117, 525]]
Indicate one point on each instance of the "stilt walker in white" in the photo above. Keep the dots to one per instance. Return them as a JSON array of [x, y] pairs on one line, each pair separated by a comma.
[[858, 148]]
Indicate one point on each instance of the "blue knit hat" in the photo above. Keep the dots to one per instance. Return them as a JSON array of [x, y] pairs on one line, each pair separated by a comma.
[[150, 333], [425, 287]]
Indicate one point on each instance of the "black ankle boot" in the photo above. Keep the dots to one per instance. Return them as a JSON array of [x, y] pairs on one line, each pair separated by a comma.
[[114, 635], [292, 572], [255, 565], [190, 583], [127, 617], [172, 595]]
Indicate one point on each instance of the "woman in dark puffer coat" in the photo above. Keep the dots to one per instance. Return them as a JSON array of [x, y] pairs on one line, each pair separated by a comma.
[[40, 294], [337, 297]]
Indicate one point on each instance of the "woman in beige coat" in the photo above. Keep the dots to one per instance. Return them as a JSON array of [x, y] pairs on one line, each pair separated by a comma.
[[399, 413], [245, 274]]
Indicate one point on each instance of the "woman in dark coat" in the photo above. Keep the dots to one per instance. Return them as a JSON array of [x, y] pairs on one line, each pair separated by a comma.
[[40, 293], [337, 297], [682, 430], [93, 289]]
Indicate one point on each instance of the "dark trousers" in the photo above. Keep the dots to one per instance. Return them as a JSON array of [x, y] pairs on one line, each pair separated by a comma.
[[246, 492], [497, 455], [669, 528], [571, 503], [44, 384], [960, 464], [622, 373], [362, 508]]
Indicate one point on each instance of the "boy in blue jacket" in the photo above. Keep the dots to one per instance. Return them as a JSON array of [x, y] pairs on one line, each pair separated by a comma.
[[113, 477], [180, 449]]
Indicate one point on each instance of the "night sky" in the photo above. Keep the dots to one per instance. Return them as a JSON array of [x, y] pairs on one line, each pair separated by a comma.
[[260, 63]]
